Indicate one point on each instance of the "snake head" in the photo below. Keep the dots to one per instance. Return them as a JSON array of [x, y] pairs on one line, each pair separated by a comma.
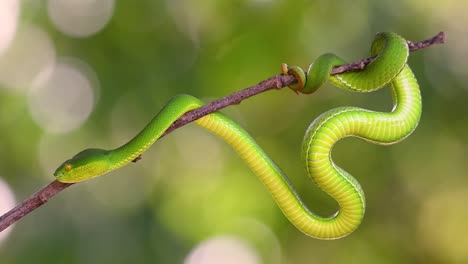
[[87, 164]]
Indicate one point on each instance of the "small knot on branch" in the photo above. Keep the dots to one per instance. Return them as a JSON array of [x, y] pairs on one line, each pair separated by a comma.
[[279, 82]]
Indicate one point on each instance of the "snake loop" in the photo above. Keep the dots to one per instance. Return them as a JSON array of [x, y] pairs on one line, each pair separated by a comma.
[[377, 127]]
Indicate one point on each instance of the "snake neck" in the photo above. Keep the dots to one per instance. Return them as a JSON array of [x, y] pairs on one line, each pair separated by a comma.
[[172, 111], [131, 150]]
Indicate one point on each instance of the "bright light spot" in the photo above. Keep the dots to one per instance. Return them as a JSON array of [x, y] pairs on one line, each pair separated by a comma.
[[30, 53], [63, 100], [224, 249], [7, 202], [443, 225], [260, 236], [80, 18], [9, 10]]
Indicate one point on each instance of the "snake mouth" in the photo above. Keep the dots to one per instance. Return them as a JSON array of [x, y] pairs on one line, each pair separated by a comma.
[[59, 176]]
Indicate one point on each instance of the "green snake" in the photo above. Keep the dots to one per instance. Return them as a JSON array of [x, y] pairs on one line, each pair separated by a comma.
[[383, 128]]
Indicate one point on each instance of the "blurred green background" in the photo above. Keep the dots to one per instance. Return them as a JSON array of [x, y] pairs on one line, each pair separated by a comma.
[[76, 74]]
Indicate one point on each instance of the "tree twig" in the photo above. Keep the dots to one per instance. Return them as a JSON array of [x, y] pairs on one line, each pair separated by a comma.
[[274, 82]]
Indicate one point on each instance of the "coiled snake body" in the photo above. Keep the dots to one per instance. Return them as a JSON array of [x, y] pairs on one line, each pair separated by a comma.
[[377, 127]]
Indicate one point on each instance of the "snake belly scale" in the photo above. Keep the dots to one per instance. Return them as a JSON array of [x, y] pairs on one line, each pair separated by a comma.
[[383, 128]]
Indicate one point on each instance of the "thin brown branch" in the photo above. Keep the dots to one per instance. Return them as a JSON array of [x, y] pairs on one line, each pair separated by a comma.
[[30, 204], [360, 65], [272, 83]]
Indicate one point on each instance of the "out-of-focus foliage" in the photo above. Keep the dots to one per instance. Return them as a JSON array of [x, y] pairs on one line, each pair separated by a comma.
[[76, 74]]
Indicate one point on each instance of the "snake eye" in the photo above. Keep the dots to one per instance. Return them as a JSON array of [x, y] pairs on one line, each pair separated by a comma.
[[68, 167]]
